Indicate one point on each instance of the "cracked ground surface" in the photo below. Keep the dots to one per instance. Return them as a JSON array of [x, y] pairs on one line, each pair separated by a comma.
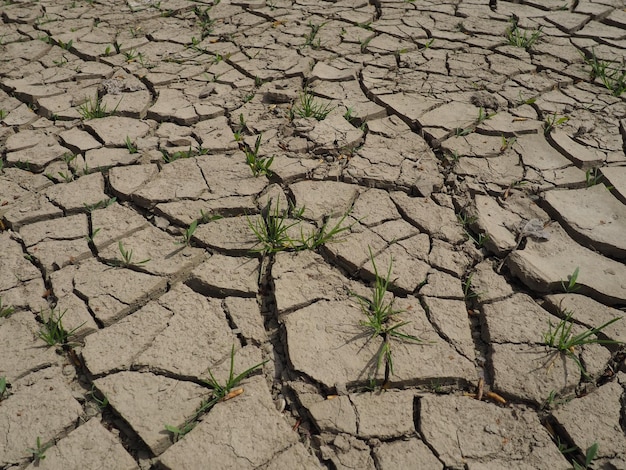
[[469, 152]]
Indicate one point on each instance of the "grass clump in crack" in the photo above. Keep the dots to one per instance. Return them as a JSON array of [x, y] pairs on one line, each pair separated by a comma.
[[521, 38], [219, 393], [561, 337], [258, 164], [274, 231], [308, 106], [613, 77], [381, 320], [53, 332], [127, 257], [94, 109], [38, 452]]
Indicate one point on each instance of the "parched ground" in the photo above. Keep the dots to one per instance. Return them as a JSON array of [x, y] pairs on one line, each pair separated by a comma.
[[191, 190]]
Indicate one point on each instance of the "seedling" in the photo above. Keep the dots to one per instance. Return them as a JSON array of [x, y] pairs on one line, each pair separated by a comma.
[[5, 310], [562, 339], [65, 45], [92, 235], [507, 143], [220, 393], [480, 240], [570, 285], [273, 233], [204, 217], [590, 455], [462, 132], [381, 321], [127, 256], [468, 289], [38, 453], [518, 38], [91, 109], [552, 122], [188, 234], [310, 38], [53, 332], [101, 400], [204, 20], [309, 107], [350, 115], [67, 177], [523, 100], [428, 44], [130, 55], [102, 204], [593, 177], [483, 115], [170, 157], [324, 234], [132, 148], [613, 78], [364, 43], [258, 164], [4, 392]]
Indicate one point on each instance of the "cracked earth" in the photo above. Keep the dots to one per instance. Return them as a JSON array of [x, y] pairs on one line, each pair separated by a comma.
[[464, 147]]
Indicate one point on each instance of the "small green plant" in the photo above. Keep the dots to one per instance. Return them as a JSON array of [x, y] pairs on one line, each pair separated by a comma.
[[428, 44], [309, 107], [571, 285], [3, 113], [92, 235], [507, 143], [519, 38], [188, 234], [590, 455], [552, 121], [204, 20], [52, 330], [127, 256], [39, 451], [65, 45], [102, 204], [132, 148], [258, 164], [381, 319], [310, 38], [468, 289], [483, 115], [5, 310], [564, 341], [523, 100], [350, 115], [101, 400], [612, 77], [220, 393], [593, 176], [205, 217], [273, 232], [462, 132], [364, 43], [553, 401], [170, 157], [66, 176], [4, 390], [93, 109]]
